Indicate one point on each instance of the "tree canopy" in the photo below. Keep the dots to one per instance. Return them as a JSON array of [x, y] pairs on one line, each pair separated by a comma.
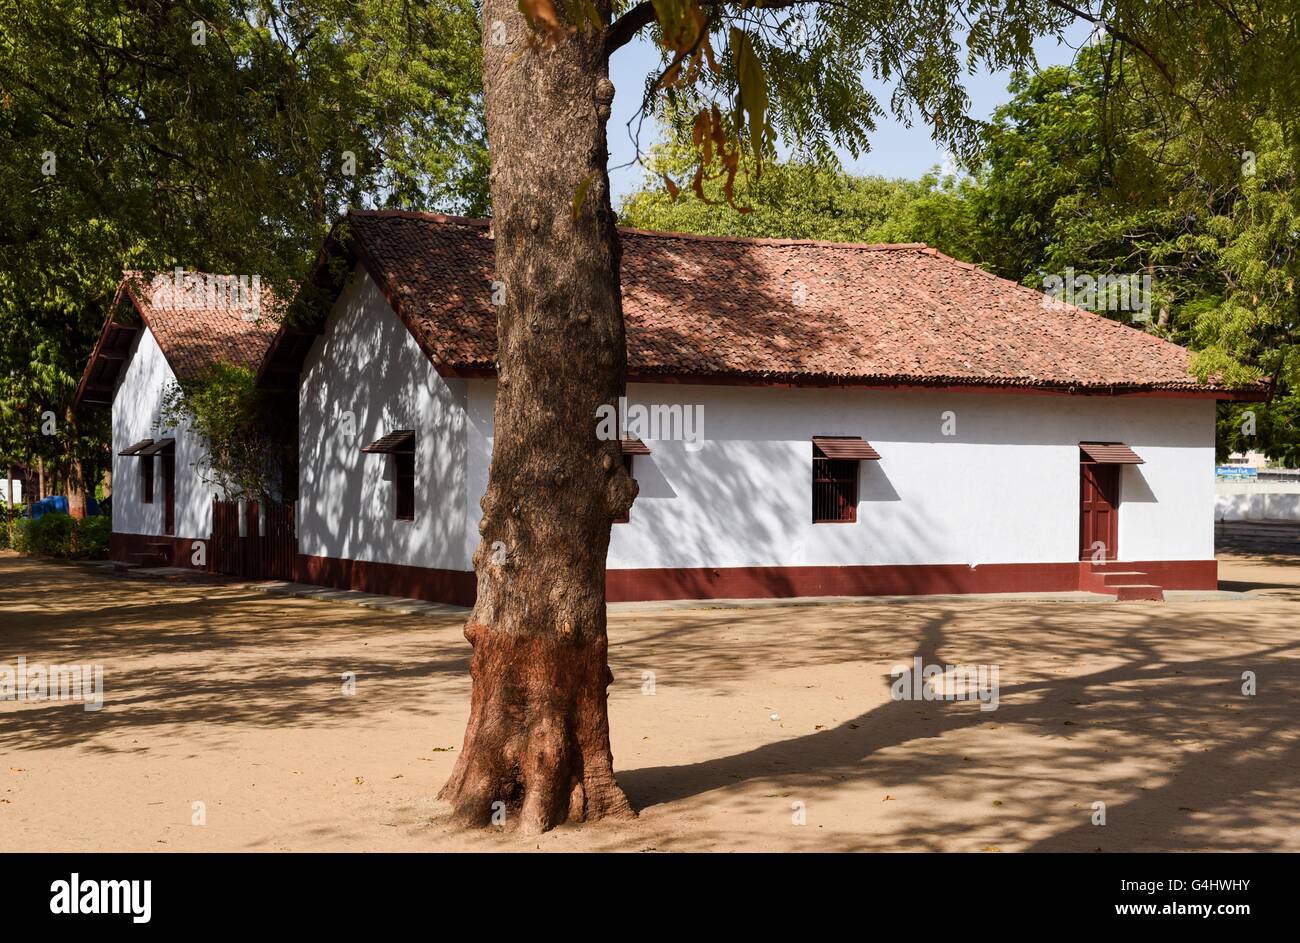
[[221, 137]]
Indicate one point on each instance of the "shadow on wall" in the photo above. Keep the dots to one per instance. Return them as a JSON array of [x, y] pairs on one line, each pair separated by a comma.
[[714, 509], [367, 365], [873, 486], [1133, 487]]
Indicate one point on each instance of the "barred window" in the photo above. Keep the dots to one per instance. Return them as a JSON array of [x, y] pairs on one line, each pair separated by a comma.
[[835, 490]]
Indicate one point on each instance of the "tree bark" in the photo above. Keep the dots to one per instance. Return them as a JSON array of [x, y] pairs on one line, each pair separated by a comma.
[[73, 474], [537, 743]]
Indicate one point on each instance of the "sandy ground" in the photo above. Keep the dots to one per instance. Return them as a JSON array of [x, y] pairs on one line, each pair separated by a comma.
[[234, 699]]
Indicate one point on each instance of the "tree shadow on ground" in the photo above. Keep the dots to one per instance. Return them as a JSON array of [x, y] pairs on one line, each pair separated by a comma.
[[1228, 762], [1138, 706], [206, 657]]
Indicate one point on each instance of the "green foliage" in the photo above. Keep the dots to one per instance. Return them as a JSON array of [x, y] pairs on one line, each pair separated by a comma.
[[250, 436], [10, 526], [797, 72], [58, 535], [222, 137], [808, 201], [1081, 174], [794, 71]]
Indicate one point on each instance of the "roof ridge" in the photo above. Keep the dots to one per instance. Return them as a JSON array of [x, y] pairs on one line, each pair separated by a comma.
[[420, 214], [768, 241], [662, 234]]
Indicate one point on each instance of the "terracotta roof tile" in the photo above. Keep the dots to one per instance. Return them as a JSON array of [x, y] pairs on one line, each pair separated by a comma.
[[781, 310], [200, 319]]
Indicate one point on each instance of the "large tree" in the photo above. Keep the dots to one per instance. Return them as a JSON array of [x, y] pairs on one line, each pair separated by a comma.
[[743, 73]]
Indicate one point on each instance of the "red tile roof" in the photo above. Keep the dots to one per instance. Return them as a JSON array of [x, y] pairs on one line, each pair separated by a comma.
[[194, 329], [780, 311], [200, 319]]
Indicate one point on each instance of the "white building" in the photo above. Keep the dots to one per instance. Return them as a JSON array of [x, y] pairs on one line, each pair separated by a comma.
[[868, 420], [161, 331]]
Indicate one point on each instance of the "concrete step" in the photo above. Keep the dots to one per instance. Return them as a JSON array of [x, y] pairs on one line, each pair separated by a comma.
[[1121, 577], [1131, 592]]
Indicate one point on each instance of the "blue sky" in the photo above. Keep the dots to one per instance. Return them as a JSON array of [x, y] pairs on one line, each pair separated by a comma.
[[896, 150]]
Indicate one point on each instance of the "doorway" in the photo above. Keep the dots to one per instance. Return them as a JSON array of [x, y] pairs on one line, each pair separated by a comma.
[[1098, 511]]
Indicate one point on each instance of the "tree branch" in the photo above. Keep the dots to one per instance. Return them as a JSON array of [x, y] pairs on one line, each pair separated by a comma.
[[620, 32], [1122, 36]]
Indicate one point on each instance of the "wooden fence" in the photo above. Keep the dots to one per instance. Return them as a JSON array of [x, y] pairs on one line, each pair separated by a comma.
[[266, 551]]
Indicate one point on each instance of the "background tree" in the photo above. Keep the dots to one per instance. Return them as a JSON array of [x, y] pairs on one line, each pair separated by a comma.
[[221, 136], [807, 200], [744, 73], [249, 435], [1085, 172]]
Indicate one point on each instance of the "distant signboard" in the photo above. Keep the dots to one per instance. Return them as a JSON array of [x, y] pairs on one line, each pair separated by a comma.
[[1235, 471]]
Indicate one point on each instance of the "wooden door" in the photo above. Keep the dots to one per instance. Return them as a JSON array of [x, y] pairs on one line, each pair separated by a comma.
[[1099, 511], [169, 492]]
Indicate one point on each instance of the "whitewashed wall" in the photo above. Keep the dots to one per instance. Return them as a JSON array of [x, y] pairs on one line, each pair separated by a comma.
[[1257, 500], [367, 364], [137, 407], [1004, 489]]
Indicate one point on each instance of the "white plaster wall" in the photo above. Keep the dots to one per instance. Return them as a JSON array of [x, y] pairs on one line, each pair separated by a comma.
[[137, 407], [1004, 489], [1257, 500], [367, 364]]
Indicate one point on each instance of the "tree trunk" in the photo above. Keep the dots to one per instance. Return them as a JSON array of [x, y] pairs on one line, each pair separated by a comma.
[[538, 734], [76, 480], [40, 479]]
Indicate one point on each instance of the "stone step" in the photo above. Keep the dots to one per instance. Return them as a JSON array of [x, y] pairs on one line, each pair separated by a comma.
[[1132, 592], [1121, 577], [1110, 566]]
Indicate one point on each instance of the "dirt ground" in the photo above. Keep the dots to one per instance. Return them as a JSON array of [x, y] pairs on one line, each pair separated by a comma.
[[755, 718]]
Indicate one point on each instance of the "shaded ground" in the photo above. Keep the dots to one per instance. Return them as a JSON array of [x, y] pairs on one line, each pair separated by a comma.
[[235, 699], [1258, 538]]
